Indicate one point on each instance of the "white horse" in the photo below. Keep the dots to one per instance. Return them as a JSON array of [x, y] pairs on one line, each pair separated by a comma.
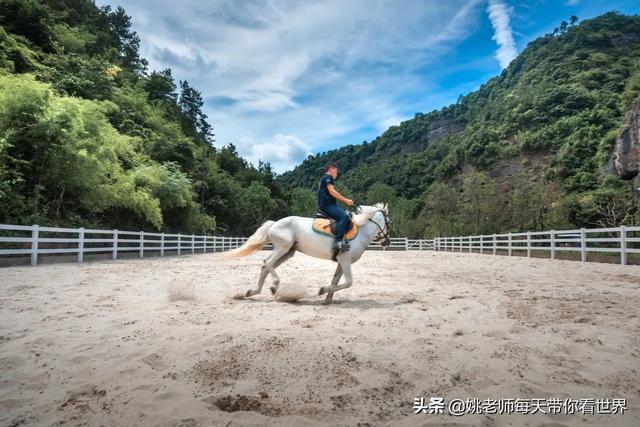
[[295, 233]]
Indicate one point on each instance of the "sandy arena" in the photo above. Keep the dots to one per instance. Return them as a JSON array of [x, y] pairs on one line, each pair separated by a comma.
[[162, 341]]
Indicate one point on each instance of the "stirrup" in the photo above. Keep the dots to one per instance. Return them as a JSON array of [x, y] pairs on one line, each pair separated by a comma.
[[341, 245]]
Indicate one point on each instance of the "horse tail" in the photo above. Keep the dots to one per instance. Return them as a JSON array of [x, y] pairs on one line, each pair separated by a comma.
[[253, 243]]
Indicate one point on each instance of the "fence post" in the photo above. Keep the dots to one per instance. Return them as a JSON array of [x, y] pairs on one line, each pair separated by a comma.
[[162, 244], [80, 244], [552, 243], [141, 245], [179, 241], [193, 248], [469, 239], [583, 245], [509, 239], [420, 244], [204, 244], [35, 233], [460, 243], [623, 245], [114, 251], [495, 244], [528, 244], [481, 244], [406, 244]]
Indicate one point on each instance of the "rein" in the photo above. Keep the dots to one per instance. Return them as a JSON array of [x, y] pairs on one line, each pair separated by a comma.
[[385, 234]]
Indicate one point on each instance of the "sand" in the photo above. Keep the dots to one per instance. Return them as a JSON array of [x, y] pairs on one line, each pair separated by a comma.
[[162, 341]]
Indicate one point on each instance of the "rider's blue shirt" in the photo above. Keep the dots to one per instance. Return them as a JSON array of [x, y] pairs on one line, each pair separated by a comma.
[[324, 198]]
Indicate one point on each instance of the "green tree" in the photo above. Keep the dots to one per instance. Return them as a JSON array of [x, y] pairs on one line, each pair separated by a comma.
[[440, 210], [480, 204], [257, 205], [161, 86], [380, 192], [303, 202], [125, 41]]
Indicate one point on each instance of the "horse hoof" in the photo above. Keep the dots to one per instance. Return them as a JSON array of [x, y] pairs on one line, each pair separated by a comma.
[[327, 301], [322, 291], [273, 290], [248, 294]]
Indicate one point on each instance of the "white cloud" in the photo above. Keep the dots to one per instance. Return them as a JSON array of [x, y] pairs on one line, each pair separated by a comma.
[[318, 72], [499, 16], [282, 151], [390, 121], [572, 2]]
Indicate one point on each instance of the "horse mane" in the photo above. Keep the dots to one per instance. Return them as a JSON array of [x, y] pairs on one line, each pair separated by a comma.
[[366, 212]]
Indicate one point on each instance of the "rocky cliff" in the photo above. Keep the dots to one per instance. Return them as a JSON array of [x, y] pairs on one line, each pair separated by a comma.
[[626, 156]]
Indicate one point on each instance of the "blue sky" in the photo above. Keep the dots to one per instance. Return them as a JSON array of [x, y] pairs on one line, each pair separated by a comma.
[[284, 79]]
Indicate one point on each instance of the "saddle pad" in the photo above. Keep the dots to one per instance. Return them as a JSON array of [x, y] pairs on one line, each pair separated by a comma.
[[323, 226]]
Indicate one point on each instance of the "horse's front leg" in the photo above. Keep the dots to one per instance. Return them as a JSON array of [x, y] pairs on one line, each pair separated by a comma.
[[345, 267], [334, 282]]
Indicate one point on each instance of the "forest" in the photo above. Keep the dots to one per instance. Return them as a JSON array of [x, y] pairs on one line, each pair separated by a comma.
[[89, 136]]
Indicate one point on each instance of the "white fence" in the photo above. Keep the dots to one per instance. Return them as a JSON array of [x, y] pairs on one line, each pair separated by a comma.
[[34, 241], [406, 244], [617, 240]]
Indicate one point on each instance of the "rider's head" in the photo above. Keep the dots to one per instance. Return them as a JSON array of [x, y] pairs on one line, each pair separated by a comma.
[[332, 169]]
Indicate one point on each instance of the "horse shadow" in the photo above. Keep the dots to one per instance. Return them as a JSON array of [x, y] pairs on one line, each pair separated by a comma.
[[361, 304]]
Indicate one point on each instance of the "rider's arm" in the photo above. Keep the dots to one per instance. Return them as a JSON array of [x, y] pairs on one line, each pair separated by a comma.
[[332, 190]]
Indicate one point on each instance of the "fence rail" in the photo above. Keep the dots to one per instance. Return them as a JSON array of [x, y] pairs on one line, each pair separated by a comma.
[[35, 241], [617, 240]]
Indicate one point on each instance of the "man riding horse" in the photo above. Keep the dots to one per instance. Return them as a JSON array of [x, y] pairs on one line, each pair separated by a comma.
[[298, 234], [327, 205]]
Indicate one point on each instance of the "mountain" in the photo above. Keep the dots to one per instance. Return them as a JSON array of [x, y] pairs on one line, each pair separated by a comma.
[[550, 142]]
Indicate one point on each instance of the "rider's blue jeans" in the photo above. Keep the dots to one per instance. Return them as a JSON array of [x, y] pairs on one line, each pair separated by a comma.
[[341, 217]]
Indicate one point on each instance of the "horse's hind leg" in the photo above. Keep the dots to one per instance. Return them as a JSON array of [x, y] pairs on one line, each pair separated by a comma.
[[268, 267], [263, 275], [277, 264]]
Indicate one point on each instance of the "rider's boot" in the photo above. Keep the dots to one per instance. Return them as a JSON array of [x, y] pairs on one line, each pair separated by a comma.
[[341, 245]]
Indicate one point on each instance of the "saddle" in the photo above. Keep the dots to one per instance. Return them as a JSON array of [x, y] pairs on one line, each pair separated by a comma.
[[324, 225]]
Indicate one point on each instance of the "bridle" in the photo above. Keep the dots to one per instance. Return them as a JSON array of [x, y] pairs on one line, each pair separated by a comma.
[[383, 235]]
